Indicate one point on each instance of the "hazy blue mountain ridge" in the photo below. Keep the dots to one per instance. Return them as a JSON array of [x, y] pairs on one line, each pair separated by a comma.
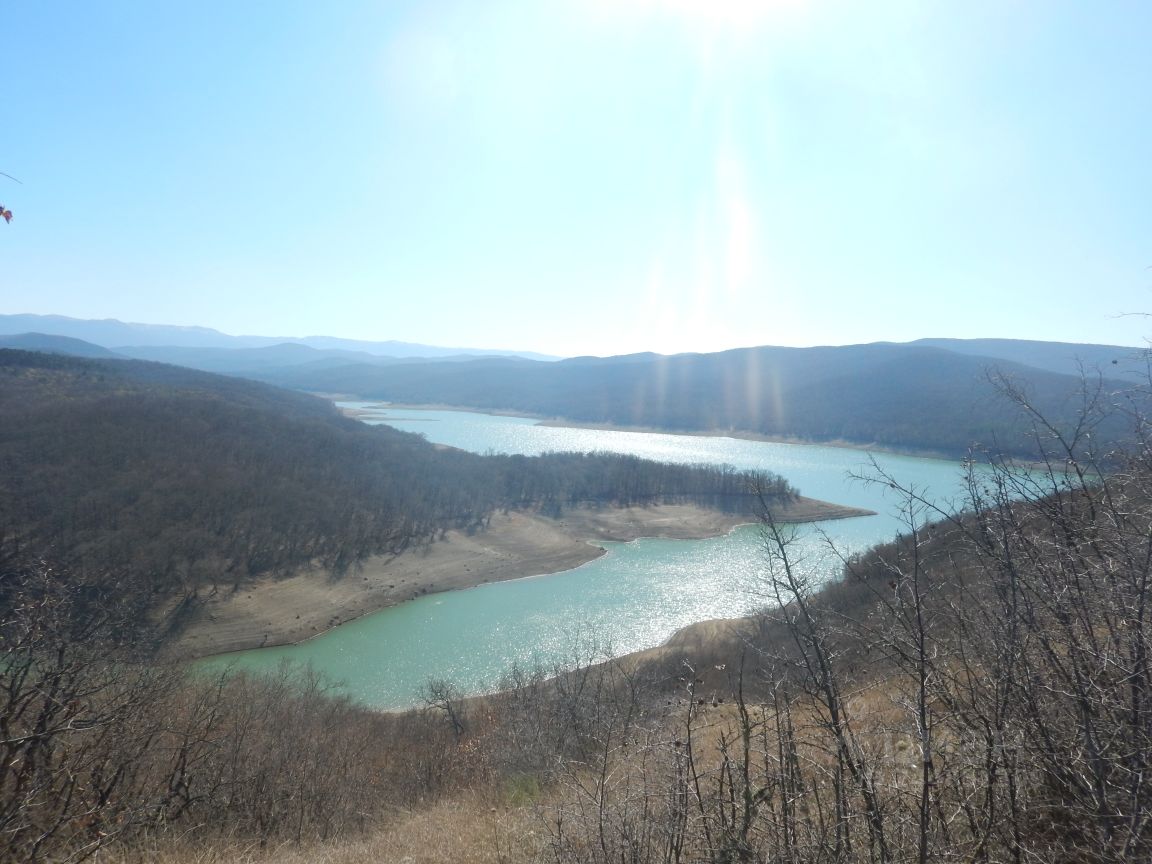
[[51, 344], [1068, 358], [114, 334]]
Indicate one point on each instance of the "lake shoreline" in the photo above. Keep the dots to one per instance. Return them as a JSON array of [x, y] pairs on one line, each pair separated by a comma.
[[558, 423], [515, 545]]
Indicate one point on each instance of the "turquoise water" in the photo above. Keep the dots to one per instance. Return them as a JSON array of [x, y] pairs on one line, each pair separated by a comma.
[[631, 598]]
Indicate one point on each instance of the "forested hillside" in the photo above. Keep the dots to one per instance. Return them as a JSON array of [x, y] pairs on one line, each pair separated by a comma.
[[190, 477], [978, 690], [931, 395], [896, 396], [1115, 361]]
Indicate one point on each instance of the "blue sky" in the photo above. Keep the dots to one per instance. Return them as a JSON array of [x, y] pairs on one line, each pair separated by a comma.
[[583, 176]]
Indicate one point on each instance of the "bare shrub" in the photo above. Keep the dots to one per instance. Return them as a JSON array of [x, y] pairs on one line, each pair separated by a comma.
[[977, 690]]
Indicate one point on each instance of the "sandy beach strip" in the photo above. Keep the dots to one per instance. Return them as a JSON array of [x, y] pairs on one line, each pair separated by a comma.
[[515, 545]]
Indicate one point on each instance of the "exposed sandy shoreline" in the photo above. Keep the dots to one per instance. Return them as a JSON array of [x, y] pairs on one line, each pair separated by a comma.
[[286, 611]]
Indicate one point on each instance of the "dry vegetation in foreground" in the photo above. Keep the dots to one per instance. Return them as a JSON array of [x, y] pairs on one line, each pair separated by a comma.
[[977, 691], [471, 829]]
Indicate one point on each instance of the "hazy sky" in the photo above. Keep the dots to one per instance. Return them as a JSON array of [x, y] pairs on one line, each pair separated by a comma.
[[582, 176]]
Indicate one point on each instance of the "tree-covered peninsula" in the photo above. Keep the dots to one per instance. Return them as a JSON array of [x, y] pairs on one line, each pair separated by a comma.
[[194, 478]]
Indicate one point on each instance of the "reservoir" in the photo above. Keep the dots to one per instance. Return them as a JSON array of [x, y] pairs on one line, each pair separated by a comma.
[[631, 598]]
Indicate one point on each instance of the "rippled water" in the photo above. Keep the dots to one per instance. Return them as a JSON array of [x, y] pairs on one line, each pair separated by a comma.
[[633, 597]]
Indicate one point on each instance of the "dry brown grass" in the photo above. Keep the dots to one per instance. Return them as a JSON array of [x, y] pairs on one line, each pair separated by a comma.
[[470, 829]]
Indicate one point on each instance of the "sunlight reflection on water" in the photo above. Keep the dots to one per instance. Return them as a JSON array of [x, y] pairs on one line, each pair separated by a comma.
[[633, 597]]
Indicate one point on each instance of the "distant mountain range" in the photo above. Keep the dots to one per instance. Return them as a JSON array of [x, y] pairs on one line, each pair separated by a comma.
[[932, 395], [110, 333], [49, 344], [1067, 358]]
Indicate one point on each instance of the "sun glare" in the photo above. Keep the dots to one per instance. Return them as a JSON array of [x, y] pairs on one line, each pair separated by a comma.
[[728, 13], [724, 15]]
